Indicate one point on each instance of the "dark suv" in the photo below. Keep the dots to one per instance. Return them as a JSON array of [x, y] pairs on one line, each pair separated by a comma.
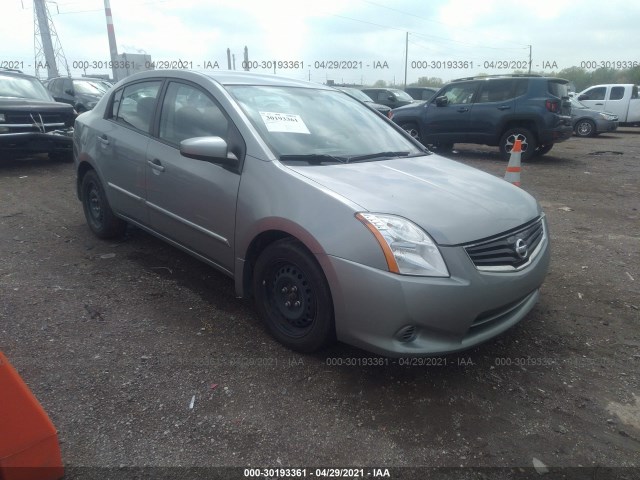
[[30, 120], [82, 93], [493, 111], [391, 97]]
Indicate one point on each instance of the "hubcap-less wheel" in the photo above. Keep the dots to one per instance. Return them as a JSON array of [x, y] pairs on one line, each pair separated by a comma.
[[97, 211], [288, 293], [293, 297], [584, 128]]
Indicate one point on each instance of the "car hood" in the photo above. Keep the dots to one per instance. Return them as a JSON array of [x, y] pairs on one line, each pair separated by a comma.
[[452, 202], [27, 104], [576, 112]]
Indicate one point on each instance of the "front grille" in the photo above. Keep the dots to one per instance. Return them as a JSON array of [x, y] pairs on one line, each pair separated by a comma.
[[26, 117], [510, 251]]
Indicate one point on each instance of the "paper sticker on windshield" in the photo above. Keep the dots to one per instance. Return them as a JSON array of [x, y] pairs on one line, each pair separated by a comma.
[[284, 122]]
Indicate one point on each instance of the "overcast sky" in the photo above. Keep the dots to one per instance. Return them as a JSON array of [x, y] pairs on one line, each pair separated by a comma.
[[445, 36]]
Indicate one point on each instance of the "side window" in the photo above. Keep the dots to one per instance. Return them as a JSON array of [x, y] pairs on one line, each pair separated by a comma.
[[67, 84], [460, 93], [187, 112], [634, 91], [137, 105], [383, 96], [55, 86], [522, 86], [597, 93], [117, 96], [616, 93], [496, 91]]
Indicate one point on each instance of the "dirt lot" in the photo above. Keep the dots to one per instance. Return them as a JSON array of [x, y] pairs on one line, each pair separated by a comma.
[[118, 339]]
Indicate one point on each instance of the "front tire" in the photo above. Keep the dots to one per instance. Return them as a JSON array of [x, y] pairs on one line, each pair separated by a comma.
[[293, 298], [412, 129], [525, 136], [585, 128], [100, 218]]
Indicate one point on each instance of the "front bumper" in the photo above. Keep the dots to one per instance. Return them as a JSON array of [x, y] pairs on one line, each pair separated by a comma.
[[398, 315], [604, 126], [37, 142]]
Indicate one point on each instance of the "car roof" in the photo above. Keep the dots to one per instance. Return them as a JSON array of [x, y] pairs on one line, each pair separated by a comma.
[[230, 78]]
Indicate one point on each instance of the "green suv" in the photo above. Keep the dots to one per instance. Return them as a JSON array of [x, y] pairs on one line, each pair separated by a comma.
[[493, 110]]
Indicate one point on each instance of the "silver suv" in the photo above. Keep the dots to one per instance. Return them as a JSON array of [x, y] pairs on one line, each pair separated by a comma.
[[332, 218]]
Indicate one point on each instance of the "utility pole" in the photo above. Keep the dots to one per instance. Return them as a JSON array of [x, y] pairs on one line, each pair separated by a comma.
[[46, 44], [113, 48], [406, 58], [529, 59]]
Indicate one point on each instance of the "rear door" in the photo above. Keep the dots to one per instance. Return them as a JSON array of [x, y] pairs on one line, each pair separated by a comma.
[[123, 143], [192, 202], [492, 107]]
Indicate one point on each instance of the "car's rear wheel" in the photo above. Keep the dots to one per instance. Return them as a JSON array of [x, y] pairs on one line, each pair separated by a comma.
[[527, 141], [293, 297], [412, 129], [97, 211], [585, 128]]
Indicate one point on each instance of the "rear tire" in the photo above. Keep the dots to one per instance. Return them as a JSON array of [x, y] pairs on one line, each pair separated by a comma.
[[100, 218], [529, 143], [293, 298], [543, 149]]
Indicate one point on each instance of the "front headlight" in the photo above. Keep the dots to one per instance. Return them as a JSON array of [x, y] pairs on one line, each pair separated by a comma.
[[606, 116], [407, 248]]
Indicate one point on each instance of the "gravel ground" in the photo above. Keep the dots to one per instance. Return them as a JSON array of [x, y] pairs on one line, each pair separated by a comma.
[[142, 356]]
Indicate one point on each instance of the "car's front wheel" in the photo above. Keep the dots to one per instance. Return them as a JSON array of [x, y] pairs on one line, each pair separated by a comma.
[[293, 297], [527, 140], [97, 211], [412, 129], [585, 128]]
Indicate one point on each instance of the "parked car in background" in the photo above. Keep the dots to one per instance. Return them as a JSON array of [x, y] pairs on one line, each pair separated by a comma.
[[363, 97], [493, 110], [82, 93], [30, 120], [421, 93], [619, 99], [588, 122], [333, 219], [391, 97]]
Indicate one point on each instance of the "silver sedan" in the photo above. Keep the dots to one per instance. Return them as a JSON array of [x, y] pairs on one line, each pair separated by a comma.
[[335, 221]]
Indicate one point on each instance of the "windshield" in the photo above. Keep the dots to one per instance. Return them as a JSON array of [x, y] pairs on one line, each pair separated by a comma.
[[326, 123], [357, 94], [23, 87], [86, 87], [402, 95]]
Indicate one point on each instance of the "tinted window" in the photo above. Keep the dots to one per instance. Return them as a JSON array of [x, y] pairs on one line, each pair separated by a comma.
[[115, 103], [137, 105], [522, 86], [496, 91], [559, 89], [459, 93], [384, 96], [634, 92], [596, 93], [616, 93], [188, 112]]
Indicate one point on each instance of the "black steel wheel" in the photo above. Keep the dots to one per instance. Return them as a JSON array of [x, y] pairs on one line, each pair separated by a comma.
[[526, 138], [585, 128], [293, 297], [100, 217]]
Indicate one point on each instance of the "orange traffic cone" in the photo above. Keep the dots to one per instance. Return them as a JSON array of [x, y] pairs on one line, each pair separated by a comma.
[[29, 448], [513, 169]]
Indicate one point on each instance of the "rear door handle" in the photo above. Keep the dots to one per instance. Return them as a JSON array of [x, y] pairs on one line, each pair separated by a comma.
[[504, 107], [463, 109], [156, 165], [103, 139], [599, 103]]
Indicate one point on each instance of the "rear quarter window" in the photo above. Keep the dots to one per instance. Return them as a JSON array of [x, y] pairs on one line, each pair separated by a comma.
[[558, 89]]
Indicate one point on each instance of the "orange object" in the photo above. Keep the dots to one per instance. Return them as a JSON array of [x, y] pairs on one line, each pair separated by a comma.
[[512, 174], [29, 448]]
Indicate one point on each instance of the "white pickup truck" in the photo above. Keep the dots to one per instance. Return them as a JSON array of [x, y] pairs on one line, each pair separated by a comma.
[[620, 99]]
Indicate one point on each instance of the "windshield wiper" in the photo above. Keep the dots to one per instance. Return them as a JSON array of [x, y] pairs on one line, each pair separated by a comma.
[[371, 156], [314, 158]]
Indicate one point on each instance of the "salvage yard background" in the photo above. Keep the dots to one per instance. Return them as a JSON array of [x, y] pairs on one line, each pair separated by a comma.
[[118, 340]]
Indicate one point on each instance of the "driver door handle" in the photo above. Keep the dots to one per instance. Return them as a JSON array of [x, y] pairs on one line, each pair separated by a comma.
[[156, 165]]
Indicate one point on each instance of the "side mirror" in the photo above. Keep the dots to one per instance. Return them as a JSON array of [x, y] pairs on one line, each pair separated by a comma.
[[583, 97], [208, 149], [69, 91], [442, 101]]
